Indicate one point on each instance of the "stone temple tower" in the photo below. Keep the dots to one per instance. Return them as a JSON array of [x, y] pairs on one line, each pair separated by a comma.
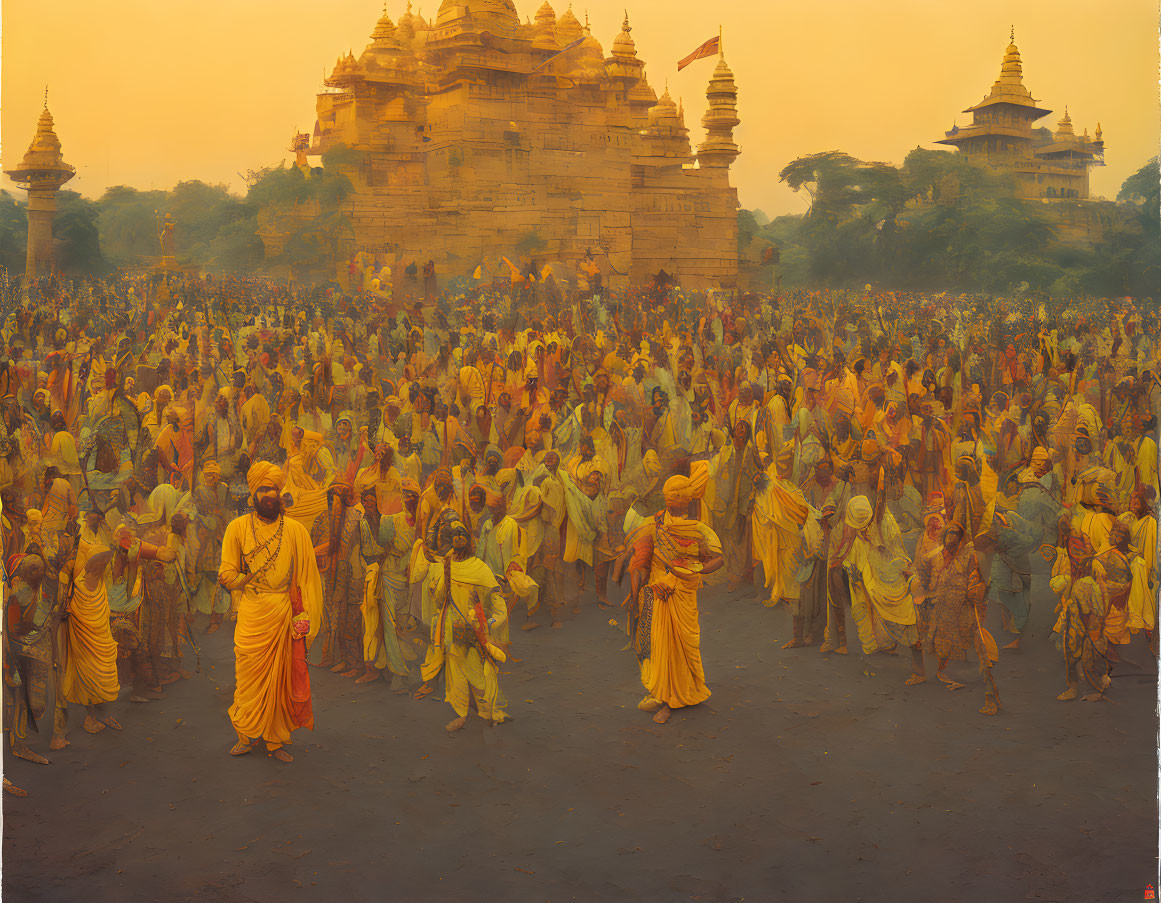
[[720, 119], [42, 172]]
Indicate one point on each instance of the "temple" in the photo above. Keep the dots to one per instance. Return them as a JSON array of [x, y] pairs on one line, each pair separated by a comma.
[[478, 135], [1045, 164], [42, 172]]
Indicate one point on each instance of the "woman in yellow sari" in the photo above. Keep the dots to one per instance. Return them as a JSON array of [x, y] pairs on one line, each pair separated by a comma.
[[268, 564], [670, 554]]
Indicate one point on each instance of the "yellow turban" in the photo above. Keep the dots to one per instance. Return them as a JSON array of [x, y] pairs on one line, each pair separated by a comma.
[[681, 490], [211, 467], [264, 474], [859, 512], [1040, 456]]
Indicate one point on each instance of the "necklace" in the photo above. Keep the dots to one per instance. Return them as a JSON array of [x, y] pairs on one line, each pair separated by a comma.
[[275, 538]]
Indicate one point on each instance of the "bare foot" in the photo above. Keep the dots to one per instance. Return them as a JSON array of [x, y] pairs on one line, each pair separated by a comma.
[[282, 755], [1068, 695], [649, 704], [456, 724], [214, 627], [1015, 644], [556, 625], [915, 679], [9, 787], [240, 748], [576, 609], [663, 714], [529, 625], [423, 691], [351, 673], [989, 708], [339, 668], [112, 722], [828, 646], [949, 683], [794, 643], [183, 674], [368, 676], [92, 725], [23, 752], [59, 742], [841, 650], [170, 679], [1094, 697], [137, 697], [732, 586]]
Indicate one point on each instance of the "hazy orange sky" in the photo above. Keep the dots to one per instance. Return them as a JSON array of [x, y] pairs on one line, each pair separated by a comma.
[[147, 93]]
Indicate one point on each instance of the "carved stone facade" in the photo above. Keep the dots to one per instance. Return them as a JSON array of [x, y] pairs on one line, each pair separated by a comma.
[[481, 136]]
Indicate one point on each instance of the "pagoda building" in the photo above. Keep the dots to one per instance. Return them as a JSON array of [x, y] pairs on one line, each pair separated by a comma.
[[42, 172], [1002, 135], [478, 135]]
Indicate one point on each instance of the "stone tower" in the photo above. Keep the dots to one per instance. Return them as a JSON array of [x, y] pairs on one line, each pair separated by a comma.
[[720, 119], [42, 172]]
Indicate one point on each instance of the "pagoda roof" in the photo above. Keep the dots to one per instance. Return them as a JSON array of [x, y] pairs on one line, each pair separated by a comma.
[[1028, 104]]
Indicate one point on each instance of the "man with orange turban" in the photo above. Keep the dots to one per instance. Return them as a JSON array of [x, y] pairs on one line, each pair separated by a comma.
[[669, 554], [268, 565]]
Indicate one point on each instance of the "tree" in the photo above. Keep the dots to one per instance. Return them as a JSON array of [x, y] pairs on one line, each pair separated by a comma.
[[77, 234], [13, 234], [850, 228]]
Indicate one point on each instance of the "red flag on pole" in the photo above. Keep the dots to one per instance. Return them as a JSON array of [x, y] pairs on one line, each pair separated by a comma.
[[709, 48]]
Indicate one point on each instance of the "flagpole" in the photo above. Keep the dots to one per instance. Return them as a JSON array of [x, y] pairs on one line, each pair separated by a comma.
[[721, 43]]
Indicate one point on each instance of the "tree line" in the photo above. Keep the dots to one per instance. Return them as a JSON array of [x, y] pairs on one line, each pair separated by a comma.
[[940, 223]]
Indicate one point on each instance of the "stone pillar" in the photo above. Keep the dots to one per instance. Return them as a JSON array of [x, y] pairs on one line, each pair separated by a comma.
[[41, 210]]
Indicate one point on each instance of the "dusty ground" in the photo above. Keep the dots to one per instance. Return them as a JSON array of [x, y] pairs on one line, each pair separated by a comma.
[[803, 778]]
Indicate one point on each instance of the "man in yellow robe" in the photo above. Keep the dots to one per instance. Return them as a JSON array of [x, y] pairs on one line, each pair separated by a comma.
[[309, 473], [469, 627], [86, 644], [268, 564], [877, 569], [670, 553], [779, 513]]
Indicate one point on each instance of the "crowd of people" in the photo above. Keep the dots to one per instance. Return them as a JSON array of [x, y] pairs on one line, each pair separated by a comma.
[[395, 489]]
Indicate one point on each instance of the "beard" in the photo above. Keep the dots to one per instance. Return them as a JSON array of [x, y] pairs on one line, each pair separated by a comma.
[[269, 507]]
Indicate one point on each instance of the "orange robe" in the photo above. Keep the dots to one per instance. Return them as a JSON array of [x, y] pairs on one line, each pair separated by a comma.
[[669, 546], [268, 699]]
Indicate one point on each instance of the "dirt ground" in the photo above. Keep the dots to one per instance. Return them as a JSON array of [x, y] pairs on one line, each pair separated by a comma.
[[804, 778]]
